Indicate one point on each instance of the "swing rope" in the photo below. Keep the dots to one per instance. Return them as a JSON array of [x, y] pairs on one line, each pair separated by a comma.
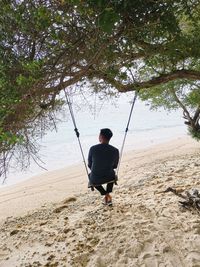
[[126, 130], [76, 130], [78, 134]]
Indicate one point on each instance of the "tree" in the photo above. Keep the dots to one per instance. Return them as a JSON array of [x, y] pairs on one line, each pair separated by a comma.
[[175, 95], [48, 46]]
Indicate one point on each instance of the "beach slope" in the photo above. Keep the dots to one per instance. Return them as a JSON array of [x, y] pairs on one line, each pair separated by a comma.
[[53, 220]]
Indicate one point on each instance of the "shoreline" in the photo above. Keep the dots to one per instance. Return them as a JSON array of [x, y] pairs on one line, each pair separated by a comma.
[[53, 186], [61, 161], [78, 165]]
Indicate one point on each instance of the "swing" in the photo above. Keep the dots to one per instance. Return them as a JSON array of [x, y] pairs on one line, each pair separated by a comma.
[[79, 142]]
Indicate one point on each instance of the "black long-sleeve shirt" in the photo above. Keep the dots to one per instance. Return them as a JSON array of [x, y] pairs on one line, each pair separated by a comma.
[[102, 160]]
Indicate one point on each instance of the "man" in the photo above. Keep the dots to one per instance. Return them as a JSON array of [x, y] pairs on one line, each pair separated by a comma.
[[102, 160]]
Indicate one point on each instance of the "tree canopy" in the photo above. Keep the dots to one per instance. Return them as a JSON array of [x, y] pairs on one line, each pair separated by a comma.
[[47, 46]]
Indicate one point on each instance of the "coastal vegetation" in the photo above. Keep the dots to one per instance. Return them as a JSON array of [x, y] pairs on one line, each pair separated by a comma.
[[47, 47]]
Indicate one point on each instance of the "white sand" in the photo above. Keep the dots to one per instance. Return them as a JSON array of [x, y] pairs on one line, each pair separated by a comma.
[[54, 220]]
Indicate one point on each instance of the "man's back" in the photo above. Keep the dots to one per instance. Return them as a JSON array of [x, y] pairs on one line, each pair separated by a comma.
[[102, 160]]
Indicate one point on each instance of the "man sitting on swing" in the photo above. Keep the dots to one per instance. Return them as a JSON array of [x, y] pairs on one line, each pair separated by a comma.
[[102, 160]]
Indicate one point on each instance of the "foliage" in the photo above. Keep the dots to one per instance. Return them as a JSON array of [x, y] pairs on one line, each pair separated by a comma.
[[194, 134], [47, 46]]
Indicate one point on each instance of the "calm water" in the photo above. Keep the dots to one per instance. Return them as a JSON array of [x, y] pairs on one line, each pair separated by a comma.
[[60, 149]]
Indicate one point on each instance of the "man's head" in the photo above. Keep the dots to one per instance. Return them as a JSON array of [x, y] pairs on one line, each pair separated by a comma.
[[105, 135]]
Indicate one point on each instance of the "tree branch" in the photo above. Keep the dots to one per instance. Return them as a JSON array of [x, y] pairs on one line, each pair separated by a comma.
[[197, 115], [162, 79], [180, 103]]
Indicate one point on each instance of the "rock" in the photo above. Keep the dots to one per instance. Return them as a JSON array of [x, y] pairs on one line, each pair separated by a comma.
[[14, 232], [43, 223]]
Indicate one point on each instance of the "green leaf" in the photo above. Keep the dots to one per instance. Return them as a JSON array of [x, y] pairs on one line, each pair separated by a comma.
[[108, 19]]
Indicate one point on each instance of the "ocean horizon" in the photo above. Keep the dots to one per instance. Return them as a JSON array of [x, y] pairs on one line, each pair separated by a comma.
[[60, 149]]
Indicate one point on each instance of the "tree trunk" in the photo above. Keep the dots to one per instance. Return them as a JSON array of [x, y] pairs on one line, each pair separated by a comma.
[[194, 126]]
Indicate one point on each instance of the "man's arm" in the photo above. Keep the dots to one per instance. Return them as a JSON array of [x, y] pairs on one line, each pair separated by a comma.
[[116, 159], [90, 158]]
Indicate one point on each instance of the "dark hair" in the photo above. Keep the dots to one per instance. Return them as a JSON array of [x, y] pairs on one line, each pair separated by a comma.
[[106, 133]]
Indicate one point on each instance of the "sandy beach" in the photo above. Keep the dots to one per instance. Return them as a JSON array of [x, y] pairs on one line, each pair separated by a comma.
[[54, 220]]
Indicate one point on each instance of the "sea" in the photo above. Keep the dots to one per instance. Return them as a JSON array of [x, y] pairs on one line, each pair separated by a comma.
[[59, 148]]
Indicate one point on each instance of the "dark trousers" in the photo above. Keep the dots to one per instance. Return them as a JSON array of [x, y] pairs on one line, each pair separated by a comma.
[[109, 188]]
